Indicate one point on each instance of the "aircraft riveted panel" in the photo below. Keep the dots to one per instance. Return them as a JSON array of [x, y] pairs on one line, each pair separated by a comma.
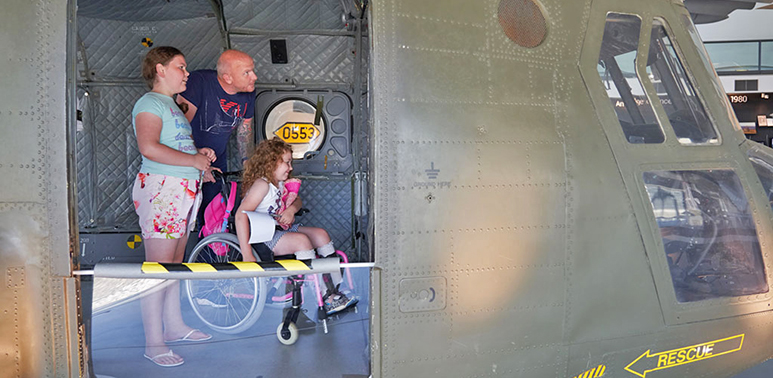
[[34, 225], [471, 189]]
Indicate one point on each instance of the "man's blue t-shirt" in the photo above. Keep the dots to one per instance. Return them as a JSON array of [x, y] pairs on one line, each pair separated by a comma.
[[217, 114]]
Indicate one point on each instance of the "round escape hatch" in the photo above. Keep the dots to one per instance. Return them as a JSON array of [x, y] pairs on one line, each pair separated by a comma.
[[292, 120]]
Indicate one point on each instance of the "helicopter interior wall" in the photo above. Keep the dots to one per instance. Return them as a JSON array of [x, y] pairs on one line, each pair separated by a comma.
[[113, 36]]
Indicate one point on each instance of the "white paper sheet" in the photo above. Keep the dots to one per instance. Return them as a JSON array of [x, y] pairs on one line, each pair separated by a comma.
[[262, 227]]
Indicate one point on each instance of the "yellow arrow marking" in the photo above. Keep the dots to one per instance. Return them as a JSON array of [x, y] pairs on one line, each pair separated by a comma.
[[685, 355]]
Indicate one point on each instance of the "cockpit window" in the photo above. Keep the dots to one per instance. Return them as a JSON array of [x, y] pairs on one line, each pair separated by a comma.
[[677, 95], [728, 112], [708, 233], [763, 166], [617, 70]]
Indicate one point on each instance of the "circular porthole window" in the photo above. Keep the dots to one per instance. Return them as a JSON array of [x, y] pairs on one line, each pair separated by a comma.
[[523, 21], [292, 120]]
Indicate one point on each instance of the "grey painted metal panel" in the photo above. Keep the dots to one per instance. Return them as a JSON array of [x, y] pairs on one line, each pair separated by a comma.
[[110, 247], [34, 226]]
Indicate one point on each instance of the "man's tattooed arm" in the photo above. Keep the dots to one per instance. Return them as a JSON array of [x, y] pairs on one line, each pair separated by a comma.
[[244, 139]]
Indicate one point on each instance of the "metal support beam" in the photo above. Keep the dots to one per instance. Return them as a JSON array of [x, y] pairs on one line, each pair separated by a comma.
[[326, 32]]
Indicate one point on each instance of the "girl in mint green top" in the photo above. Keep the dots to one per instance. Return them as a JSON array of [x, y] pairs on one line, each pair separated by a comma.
[[175, 133], [166, 195]]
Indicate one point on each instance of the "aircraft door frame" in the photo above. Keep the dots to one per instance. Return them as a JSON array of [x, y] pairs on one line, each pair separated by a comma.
[[635, 159]]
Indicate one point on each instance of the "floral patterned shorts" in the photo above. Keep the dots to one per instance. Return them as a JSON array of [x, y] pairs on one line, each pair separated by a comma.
[[167, 205]]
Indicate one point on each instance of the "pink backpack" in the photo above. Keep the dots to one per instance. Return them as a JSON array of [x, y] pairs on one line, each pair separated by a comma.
[[216, 218]]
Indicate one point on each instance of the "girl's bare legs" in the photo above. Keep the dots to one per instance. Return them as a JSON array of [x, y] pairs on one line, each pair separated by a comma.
[[317, 236], [161, 314], [157, 250], [174, 325], [301, 243], [292, 242]]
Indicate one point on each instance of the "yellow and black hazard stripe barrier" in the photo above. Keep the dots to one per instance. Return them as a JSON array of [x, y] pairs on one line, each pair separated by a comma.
[[274, 266], [238, 269]]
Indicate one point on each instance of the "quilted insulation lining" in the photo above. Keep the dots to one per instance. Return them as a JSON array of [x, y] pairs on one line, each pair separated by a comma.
[[284, 15], [311, 58], [114, 49]]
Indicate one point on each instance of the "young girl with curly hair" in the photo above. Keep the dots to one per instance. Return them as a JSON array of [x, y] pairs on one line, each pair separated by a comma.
[[263, 179]]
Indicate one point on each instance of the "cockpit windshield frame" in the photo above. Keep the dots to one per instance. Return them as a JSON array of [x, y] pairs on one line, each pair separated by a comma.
[[675, 91], [617, 70]]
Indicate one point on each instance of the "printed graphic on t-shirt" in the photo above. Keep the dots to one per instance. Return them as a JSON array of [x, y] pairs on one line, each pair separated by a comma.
[[272, 210], [228, 115], [231, 108], [183, 137], [176, 112]]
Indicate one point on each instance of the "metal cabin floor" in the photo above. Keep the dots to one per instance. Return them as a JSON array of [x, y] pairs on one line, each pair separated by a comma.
[[118, 345]]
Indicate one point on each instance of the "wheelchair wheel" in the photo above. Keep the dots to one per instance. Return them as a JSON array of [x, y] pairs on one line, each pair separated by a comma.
[[288, 337], [230, 305]]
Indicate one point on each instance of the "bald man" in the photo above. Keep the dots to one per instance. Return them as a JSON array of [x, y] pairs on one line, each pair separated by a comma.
[[219, 102]]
